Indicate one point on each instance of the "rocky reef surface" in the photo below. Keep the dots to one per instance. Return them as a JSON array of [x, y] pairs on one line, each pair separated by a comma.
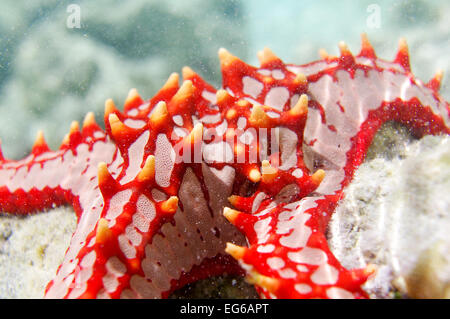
[[31, 249], [395, 215]]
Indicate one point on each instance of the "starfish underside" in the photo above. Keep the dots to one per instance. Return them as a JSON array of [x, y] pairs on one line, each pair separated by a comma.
[[271, 151]]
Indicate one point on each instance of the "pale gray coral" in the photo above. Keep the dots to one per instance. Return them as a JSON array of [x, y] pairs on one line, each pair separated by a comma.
[[393, 212], [31, 249]]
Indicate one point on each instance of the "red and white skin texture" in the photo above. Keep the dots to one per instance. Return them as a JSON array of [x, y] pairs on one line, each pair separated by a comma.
[[149, 223]]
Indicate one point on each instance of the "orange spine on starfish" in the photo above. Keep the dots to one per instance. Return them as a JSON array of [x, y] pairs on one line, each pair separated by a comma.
[[40, 145]]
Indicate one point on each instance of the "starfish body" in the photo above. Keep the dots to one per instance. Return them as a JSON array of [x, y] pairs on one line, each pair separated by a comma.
[[271, 151]]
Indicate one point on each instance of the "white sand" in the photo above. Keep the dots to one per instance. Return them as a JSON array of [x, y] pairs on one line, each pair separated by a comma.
[[31, 249]]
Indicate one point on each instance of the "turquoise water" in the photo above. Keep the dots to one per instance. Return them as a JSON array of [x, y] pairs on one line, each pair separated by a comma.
[[62, 59]]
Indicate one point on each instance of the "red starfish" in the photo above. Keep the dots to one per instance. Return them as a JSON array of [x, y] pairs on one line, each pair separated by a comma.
[[280, 141]]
